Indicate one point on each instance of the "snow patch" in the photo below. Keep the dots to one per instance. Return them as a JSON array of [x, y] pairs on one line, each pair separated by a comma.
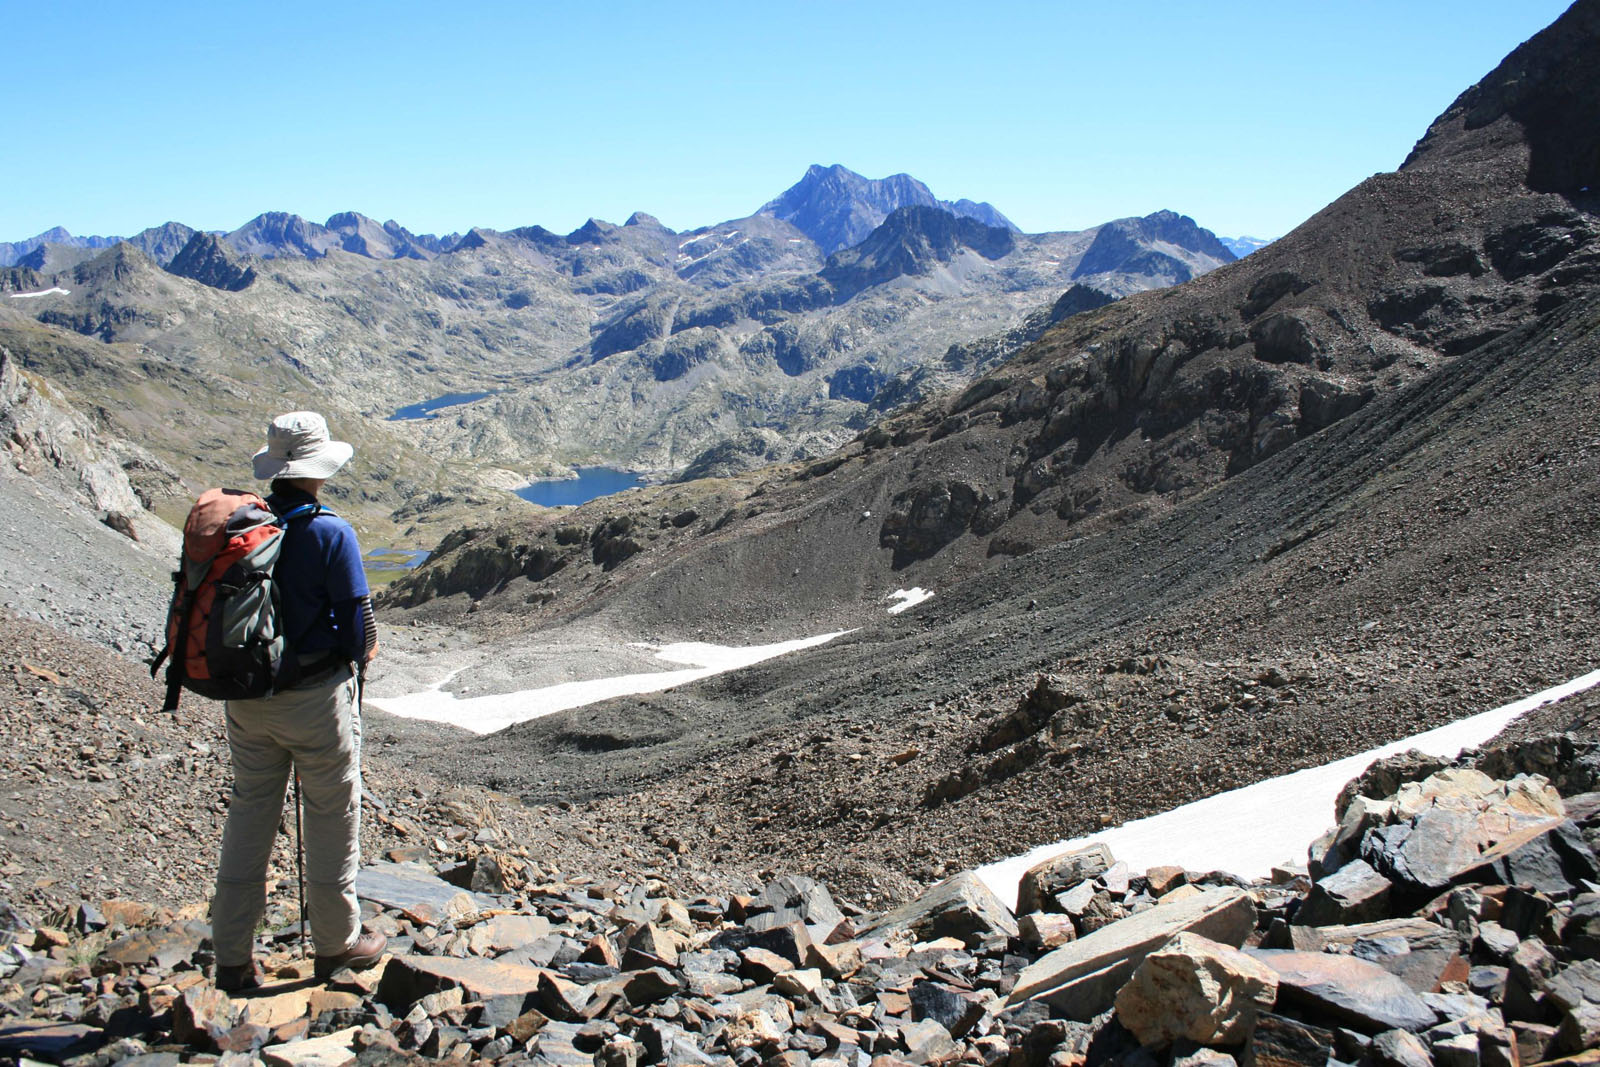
[[41, 292], [908, 598], [1248, 831], [486, 714]]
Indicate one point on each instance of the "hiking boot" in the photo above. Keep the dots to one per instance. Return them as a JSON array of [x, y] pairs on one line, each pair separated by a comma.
[[368, 949], [237, 979]]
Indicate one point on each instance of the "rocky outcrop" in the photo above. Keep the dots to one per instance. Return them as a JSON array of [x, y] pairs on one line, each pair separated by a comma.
[[925, 519], [46, 438], [205, 260]]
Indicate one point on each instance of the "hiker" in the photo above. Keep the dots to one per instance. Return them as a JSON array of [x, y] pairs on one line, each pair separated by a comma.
[[313, 727]]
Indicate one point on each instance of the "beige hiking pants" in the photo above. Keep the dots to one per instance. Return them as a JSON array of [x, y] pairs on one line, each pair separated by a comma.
[[316, 729]]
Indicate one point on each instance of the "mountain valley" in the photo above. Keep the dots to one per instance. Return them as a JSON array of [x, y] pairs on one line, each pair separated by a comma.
[[1079, 527]]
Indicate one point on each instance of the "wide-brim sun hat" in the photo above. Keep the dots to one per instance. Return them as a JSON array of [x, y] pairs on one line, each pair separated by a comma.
[[299, 446]]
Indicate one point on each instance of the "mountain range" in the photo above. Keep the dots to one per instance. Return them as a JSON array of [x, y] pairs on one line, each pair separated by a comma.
[[833, 206], [630, 345]]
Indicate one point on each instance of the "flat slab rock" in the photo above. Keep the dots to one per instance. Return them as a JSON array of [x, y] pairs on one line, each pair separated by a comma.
[[408, 979], [47, 1039], [416, 890], [1080, 979], [332, 1050], [164, 947], [1347, 990]]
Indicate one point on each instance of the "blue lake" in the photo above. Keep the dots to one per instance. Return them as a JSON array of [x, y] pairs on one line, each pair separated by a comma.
[[591, 482], [411, 557], [426, 409]]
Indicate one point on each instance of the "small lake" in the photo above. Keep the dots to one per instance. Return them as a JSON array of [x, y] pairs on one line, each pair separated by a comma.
[[395, 559], [591, 483], [427, 409]]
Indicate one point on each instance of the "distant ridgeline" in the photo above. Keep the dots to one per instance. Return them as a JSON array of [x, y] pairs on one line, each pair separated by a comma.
[[766, 338]]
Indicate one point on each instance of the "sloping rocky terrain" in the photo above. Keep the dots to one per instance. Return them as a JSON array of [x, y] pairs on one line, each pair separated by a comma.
[[629, 345], [1293, 508], [1448, 918]]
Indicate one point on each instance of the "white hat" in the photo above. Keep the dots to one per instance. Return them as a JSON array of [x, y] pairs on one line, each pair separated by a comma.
[[298, 446]]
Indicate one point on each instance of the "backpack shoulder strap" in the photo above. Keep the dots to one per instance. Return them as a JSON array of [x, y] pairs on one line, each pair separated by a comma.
[[312, 509]]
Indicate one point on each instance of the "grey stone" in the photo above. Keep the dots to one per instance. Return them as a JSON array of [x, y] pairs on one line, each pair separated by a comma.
[[413, 889], [1355, 893], [1497, 942], [1528, 974], [1346, 990], [795, 898], [957, 1011], [1427, 854], [1075, 900], [926, 1041], [1459, 1051], [960, 907], [1045, 880], [46, 1040], [1399, 1048], [1581, 935], [554, 1046], [1488, 981], [1580, 1028], [1577, 984], [1555, 861], [1278, 1041], [650, 985], [164, 947], [1080, 979]]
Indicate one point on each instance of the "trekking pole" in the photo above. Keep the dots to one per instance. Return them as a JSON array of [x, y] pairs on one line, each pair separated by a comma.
[[300, 861]]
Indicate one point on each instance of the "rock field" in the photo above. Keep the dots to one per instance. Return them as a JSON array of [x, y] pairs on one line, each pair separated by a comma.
[[1451, 917]]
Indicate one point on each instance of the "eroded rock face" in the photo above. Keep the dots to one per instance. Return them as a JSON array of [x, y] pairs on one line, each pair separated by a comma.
[[45, 437], [926, 519]]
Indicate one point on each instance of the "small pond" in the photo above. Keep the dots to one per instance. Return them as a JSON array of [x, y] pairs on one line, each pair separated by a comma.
[[428, 409], [591, 482]]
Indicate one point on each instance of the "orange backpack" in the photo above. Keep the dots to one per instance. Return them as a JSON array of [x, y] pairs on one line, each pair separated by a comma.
[[224, 630]]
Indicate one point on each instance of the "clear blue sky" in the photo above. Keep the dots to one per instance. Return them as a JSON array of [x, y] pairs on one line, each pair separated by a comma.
[[1247, 116]]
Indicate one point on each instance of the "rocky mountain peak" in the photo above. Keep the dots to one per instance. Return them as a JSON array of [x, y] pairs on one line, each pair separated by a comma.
[[273, 233], [118, 263], [837, 208], [476, 237], [594, 231], [1148, 245], [366, 237], [12, 252], [163, 242], [206, 260], [641, 218], [912, 241], [1547, 92]]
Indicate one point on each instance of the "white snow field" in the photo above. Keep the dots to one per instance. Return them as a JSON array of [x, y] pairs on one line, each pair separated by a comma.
[[907, 598], [41, 292], [1248, 831], [486, 714]]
